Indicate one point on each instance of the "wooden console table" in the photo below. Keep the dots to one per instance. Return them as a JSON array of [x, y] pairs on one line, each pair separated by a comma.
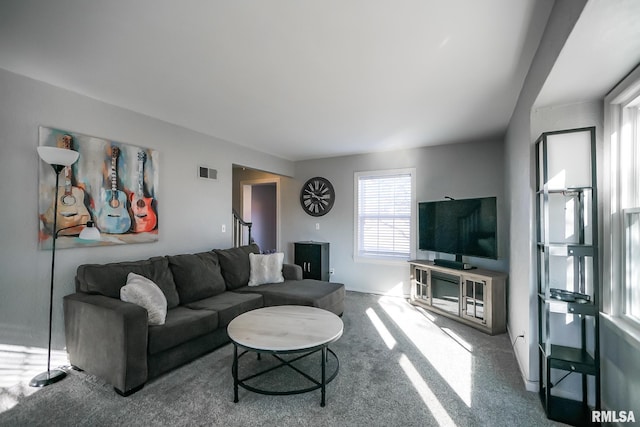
[[475, 297]]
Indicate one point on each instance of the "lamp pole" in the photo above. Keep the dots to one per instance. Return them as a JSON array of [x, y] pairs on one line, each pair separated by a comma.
[[58, 158], [50, 377]]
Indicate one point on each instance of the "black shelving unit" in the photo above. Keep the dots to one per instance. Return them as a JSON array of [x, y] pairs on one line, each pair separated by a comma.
[[568, 277]]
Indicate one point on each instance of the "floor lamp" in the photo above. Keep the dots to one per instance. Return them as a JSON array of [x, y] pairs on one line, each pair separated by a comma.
[[58, 158]]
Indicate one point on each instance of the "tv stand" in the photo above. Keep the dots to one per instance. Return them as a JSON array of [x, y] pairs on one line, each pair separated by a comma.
[[474, 297]]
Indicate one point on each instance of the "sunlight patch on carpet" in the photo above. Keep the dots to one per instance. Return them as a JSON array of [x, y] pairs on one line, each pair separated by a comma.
[[457, 338], [18, 364], [382, 330], [428, 397], [449, 355]]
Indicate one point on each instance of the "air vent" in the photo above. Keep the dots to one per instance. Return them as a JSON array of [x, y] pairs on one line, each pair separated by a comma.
[[207, 173]]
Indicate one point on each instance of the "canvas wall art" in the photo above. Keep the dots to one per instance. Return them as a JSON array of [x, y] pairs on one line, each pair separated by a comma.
[[113, 184]]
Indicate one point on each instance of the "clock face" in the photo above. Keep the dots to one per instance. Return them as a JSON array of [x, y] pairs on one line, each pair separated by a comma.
[[317, 196]]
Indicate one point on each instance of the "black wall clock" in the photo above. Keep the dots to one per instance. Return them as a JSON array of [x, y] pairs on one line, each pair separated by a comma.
[[317, 196]]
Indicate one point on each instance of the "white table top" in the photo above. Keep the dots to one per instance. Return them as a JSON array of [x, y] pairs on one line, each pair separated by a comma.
[[285, 328]]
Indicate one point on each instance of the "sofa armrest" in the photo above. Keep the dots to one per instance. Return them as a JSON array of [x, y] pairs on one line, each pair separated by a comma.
[[107, 338], [291, 272]]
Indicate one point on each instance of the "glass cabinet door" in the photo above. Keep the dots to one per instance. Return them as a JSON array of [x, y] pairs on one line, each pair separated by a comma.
[[473, 300], [445, 292], [422, 285]]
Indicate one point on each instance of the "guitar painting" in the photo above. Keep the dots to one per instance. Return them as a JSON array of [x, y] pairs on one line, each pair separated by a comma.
[[113, 183], [144, 217], [71, 208], [113, 217]]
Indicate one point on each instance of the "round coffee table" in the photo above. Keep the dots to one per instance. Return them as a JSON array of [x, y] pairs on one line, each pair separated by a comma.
[[280, 330]]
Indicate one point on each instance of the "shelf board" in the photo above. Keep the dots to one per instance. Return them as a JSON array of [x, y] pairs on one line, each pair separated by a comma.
[[570, 359], [570, 190], [567, 307], [565, 190], [567, 249]]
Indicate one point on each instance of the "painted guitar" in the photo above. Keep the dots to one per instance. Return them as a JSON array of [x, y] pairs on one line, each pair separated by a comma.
[[144, 218], [71, 208], [113, 217]]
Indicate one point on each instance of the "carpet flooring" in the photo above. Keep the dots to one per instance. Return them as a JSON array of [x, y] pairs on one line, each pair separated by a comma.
[[399, 366]]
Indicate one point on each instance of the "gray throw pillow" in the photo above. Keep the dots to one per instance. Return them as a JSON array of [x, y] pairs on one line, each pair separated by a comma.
[[197, 276], [142, 291], [107, 279], [234, 264]]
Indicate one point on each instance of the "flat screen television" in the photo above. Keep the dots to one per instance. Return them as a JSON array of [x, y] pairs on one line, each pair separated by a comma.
[[461, 227]]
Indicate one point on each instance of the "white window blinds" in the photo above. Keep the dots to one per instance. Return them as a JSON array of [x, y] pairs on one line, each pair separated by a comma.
[[384, 207]]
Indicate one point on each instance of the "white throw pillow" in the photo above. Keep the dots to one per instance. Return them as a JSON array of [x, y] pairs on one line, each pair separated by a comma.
[[266, 268], [143, 292]]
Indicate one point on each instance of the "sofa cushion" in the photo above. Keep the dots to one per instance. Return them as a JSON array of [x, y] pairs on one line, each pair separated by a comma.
[[107, 279], [265, 269], [314, 293], [197, 276], [291, 271], [234, 264], [229, 305], [181, 325], [143, 292]]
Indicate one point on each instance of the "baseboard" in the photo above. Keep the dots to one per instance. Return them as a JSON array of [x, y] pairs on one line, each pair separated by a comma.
[[380, 293], [529, 385], [21, 336]]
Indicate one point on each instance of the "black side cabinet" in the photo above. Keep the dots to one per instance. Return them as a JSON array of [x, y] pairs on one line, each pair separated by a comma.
[[313, 257]]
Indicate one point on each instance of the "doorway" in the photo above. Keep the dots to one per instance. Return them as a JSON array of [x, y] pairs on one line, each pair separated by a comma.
[[257, 198]]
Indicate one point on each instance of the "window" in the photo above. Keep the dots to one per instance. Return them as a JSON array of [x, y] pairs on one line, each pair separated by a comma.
[[384, 214], [622, 200], [631, 268]]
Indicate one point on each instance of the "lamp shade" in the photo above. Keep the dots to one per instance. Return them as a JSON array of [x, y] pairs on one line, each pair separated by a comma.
[[90, 232], [58, 156]]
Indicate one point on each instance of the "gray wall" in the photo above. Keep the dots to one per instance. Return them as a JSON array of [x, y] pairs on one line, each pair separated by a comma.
[[191, 210], [519, 178], [464, 170], [619, 369]]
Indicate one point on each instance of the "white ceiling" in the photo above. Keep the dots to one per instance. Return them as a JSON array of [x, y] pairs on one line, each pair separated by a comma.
[[603, 47], [298, 79]]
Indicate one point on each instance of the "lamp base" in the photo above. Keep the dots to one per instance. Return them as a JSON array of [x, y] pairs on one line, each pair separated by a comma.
[[46, 378]]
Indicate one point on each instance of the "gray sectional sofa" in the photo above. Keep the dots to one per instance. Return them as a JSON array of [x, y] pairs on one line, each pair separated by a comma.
[[112, 339]]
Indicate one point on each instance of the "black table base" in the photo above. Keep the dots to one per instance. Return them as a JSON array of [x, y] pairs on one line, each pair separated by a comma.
[[324, 350]]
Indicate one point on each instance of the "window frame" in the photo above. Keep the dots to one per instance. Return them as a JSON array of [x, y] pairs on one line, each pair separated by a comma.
[[621, 192], [412, 221]]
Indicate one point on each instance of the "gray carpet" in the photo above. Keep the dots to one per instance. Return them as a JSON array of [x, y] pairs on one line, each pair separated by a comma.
[[399, 366]]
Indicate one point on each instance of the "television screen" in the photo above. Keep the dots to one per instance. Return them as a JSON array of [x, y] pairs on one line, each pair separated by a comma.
[[460, 227]]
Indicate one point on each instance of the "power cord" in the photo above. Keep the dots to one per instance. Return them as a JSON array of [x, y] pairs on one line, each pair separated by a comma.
[[513, 344]]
